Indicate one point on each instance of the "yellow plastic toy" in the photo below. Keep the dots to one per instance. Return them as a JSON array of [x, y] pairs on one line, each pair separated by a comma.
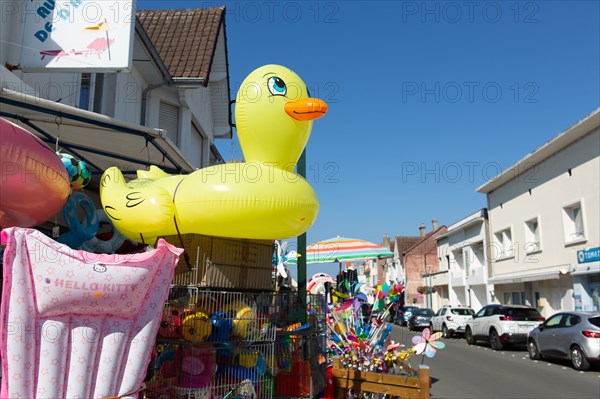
[[261, 198], [245, 323], [196, 327]]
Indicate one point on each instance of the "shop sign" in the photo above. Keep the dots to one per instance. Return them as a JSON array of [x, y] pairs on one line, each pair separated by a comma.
[[77, 35], [588, 255]]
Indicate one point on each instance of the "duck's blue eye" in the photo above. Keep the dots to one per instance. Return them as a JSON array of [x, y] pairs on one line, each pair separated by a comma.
[[277, 86]]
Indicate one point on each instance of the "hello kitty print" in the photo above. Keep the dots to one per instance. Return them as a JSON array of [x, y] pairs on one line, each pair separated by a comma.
[[77, 324]]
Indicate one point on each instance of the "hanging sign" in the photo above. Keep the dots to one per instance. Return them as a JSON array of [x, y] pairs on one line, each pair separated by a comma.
[[78, 35]]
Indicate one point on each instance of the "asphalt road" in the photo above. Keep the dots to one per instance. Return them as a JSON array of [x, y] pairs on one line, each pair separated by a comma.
[[460, 371]]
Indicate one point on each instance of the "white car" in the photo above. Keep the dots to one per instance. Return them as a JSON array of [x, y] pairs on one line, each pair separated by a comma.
[[502, 325], [451, 320]]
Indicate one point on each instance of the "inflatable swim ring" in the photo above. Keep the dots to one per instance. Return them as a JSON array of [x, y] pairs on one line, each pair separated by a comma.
[[79, 231], [109, 246]]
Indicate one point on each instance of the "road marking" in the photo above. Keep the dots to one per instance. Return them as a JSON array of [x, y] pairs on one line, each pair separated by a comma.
[[513, 355], [548, 364], [564, 368]]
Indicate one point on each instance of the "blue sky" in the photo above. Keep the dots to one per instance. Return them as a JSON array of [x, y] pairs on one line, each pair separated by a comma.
[[427, 100]]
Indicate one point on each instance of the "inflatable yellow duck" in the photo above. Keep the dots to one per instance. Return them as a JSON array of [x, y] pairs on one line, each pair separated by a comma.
[[261, 198]]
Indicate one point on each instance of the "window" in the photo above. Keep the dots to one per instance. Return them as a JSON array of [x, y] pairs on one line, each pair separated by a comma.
[[532, 236], [573, 223], [492, 310], [482, 312], [572, 320], [84, 91], [462, 311], [504, 240], [553, 322], [514, 298]]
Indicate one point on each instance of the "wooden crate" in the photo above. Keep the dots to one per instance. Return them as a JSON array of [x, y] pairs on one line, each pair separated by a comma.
[[402, 386], [224, 263]]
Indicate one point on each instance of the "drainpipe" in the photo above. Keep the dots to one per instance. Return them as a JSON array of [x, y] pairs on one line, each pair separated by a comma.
[[145, 92]]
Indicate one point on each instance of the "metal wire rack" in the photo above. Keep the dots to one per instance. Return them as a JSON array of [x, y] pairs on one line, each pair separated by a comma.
[[221, 344], [209, 371], [196, 315]]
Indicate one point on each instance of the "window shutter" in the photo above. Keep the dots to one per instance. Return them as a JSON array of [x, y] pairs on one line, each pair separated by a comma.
[[168, 120]]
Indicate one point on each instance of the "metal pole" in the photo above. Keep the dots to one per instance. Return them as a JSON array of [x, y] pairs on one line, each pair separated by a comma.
[[301, 262], [430, 292]]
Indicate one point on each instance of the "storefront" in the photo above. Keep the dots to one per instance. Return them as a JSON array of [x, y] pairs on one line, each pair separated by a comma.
[[586, 280]]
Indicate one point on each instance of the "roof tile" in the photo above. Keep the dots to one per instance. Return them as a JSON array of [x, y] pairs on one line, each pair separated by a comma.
[[184, 39]]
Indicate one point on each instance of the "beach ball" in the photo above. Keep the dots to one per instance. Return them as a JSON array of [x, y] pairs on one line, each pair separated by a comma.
[[71, 164], [244, 324], [170, 325], [83, 177], [196, 327], [244, 318], [222, 326]]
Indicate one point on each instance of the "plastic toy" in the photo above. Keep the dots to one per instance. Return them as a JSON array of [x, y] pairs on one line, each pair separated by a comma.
[[261, 198], [170, 325], [83, 178], [82, 325], [244, 318], [282, 257], [222, 327], [35, 185], [79, 174], [109, 246], [79, 231], [196, 327], [195, 367]]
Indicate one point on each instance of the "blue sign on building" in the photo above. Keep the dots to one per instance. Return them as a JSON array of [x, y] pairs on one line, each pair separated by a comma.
[[588, 255]]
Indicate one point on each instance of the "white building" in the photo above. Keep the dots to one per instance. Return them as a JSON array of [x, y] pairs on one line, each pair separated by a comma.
[[544, 215], [167, 110], [464, 263]]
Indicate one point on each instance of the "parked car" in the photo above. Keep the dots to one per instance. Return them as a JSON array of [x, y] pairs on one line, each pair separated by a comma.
[[567, 335], [502, 325], [451, 320], [404, 314], [420, 318]]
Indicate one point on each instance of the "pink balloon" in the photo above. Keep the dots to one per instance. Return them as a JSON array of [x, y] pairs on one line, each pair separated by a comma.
[[34, 183]]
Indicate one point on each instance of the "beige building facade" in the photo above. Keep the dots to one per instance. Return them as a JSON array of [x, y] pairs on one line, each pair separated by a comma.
[[544, 215]]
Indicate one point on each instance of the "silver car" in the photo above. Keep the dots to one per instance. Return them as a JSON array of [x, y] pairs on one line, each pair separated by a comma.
[[567, 335], [420, 318]]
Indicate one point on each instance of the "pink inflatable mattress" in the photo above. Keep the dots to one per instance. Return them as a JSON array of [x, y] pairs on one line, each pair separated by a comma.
[[77, 324]]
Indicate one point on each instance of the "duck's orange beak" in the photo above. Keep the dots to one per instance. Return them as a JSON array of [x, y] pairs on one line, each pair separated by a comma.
[[306, 109]]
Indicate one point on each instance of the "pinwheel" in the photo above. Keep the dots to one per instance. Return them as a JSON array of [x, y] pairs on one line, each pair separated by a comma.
[[427, 344], [282, 258]]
